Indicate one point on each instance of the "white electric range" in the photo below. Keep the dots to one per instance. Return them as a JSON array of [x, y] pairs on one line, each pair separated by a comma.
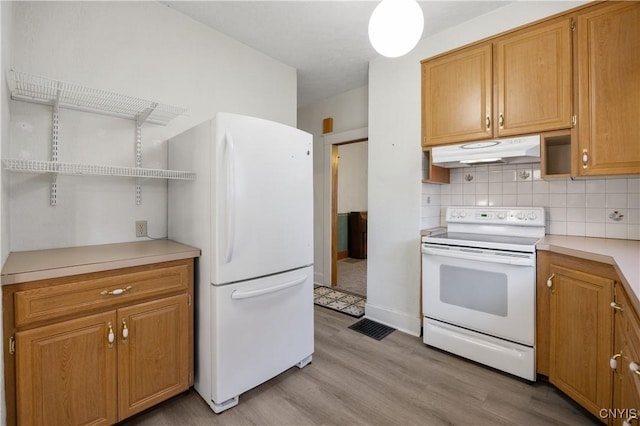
[[478, 286]]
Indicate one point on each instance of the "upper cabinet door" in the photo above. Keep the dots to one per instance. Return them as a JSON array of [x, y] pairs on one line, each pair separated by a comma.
[[533, 76], [609, 84], [457, 96]]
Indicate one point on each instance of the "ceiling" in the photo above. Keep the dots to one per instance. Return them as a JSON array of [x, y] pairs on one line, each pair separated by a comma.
[[326, 41]]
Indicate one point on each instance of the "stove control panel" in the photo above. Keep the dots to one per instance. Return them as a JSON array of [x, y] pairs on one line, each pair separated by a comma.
[[523, 216]]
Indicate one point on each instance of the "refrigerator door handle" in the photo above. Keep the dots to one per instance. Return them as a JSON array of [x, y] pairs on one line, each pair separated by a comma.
[[231, 198], [236, 295]]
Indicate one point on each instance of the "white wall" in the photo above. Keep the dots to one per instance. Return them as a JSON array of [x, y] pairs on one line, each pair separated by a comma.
[[393, 283], [352, 177], [349, 111], [5, 60], [141, 49]]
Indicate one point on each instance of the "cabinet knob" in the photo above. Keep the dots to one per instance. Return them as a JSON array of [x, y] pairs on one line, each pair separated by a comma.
[[488, 122], [617, 307], [585, 159], [613, 362], [110, 337], [550, 280], [125, 331], [629, 420], [501, 120], [635, 368]]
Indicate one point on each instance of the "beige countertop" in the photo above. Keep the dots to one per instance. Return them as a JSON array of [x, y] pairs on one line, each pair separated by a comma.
[[624, 255], [432, 231], [23, 266]]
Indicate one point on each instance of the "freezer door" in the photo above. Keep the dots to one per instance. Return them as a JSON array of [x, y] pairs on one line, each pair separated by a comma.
[[263, 198], [260, 328]]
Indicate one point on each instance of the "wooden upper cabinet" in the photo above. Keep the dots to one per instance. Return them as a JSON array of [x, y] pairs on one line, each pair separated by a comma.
[[457, 96], [531, 70], [533, 79], [609, 85]]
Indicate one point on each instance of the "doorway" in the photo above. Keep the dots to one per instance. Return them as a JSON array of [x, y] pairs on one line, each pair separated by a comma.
[[349, 172]]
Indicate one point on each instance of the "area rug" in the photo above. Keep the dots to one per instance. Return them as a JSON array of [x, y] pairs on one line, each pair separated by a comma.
[[340, 301]]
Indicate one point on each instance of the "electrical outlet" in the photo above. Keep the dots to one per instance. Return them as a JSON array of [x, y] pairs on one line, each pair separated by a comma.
[[141, 228]]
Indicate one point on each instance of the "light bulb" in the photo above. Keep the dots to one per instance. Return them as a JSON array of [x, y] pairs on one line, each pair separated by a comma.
[[395, 27]]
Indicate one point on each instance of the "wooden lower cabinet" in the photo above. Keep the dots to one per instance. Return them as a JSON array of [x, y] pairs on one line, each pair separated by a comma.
[[153, 361], [581, 336], [98, 368], [584, 323], [66, 373], [626, 378]]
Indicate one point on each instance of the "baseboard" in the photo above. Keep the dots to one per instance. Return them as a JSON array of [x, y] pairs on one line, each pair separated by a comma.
[[318, 278], [343, 254], [400, 321]]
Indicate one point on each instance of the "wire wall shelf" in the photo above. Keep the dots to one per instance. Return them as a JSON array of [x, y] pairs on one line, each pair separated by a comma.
[[43, 90], [56, 167]]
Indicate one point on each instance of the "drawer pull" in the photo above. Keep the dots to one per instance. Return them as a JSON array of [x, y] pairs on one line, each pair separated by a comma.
[[617, 307], [110, 337], [613, 362], [635, 368], [115, 292], [125, 331]]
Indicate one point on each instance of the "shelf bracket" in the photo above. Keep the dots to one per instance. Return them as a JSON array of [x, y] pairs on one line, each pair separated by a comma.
[[55, 134], [140, 120]]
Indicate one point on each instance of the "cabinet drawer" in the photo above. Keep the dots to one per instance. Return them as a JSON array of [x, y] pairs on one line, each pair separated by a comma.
[[85, 293]]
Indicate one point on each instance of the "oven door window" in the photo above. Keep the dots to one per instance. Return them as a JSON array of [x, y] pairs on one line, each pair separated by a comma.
[[483, 291]]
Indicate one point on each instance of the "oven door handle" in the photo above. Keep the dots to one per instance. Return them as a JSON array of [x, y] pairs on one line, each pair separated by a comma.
[[482, 257]]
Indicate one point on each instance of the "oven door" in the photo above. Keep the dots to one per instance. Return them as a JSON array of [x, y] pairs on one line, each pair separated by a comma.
[[489, 291]]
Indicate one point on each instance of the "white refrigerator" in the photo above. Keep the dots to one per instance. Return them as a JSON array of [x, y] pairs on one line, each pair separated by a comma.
[[250, 211]]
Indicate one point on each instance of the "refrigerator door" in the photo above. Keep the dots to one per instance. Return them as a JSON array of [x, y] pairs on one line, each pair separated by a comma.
[[263, 194], [260, 328]]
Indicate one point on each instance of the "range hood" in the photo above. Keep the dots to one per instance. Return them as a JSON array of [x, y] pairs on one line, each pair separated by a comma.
[[525, 149]]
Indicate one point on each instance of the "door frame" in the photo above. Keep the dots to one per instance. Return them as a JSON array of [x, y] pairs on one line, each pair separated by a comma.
[[330, 204]]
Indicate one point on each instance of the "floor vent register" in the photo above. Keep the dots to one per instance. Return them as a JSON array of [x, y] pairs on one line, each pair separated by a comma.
[[372, 329]]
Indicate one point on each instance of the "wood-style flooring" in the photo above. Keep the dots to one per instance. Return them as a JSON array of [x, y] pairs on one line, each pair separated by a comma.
[[356, 380], [352, 276]]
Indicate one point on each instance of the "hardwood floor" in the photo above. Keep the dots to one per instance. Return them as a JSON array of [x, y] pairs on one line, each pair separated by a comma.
[[356, 380]]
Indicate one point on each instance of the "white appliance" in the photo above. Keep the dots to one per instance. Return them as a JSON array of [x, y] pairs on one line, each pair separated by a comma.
[[524, 149], [479, 286], [250, 211]]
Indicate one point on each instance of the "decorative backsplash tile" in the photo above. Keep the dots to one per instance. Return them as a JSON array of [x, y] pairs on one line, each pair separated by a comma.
[[605, 207]]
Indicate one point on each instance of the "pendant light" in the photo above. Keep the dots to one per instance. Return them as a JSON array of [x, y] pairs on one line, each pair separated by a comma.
[[395, 27]]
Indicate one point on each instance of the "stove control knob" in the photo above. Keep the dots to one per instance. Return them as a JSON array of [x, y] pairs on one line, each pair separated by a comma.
[[502, 215], [532, 216], [463, 214], [520, 215], [454, 214]]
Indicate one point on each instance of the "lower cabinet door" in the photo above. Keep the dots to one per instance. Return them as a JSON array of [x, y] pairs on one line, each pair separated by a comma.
[[66, 373], [153, 353], [581, 337]]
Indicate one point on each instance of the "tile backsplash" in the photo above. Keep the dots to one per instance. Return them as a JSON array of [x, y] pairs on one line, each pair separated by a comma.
[[606, 207]]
